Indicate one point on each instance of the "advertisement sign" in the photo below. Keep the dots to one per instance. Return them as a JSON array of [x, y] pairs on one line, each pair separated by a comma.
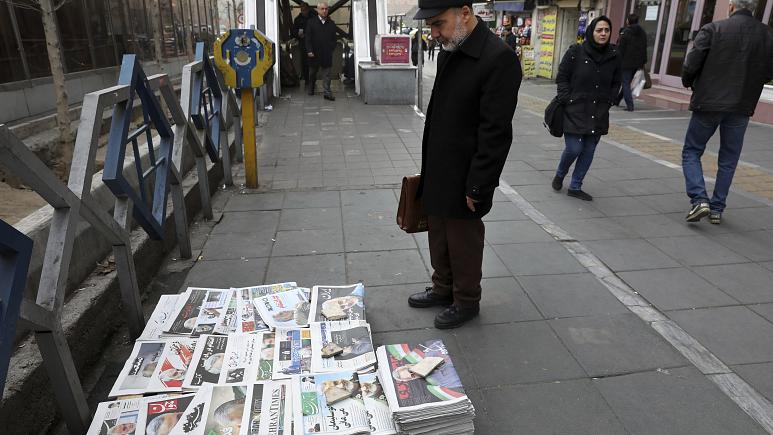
[[393, 49], [484, 10], [548, 43]]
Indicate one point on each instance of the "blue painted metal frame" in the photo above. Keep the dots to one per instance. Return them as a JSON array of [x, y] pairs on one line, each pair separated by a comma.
[[206, 102], [149, 212], [15, 255]]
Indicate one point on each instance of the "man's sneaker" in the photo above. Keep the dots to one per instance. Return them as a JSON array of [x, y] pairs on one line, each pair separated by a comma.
[[698, 212], [428, 298], [715, 218], [579, 194], [454, 317], [558, 183]]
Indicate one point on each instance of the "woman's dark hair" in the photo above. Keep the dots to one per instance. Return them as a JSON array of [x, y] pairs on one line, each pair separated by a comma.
[[633, 19]]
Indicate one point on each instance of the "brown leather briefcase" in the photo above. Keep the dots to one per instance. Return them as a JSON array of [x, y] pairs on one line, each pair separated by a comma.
[[410, 212]]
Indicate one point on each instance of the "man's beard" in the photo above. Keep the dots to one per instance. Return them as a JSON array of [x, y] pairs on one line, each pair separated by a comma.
[[460, 33]]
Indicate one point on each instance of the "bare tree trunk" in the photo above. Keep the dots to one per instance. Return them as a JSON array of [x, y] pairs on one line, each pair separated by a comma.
[[62, 153]]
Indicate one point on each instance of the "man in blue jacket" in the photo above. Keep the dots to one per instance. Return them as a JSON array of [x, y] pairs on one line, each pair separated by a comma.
[[730, 62]]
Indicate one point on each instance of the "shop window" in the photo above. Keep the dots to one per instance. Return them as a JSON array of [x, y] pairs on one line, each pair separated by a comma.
[[119, 27], [169, 40], [101, 33], [74, 37], [11, 69], [142, 33], [179, 26], [759, 13], [34, 41]]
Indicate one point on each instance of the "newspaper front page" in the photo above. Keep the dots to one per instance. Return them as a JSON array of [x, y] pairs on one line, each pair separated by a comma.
[[155, 367], [160, 415], [214, 410], [212, 311], [208, 361], [165, 308], [405, 390], [117, 417], [228, 323], [350, 298], [380, 420], [265, 370], [242, 357], [186, 315], [292, 353], [288, 309], [249, 319], [312, 413], [352, 336], [269, 409]]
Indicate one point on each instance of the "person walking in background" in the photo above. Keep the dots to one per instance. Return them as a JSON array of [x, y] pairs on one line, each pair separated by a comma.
[[467, 136], [320, 43], [730, 62], [299, 33], [431, 46], [588, 80], [418, 46], [632, 46], [511, 39]]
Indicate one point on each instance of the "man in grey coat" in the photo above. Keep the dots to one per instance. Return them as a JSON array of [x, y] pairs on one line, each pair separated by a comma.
[[727, 68], [467, 136]]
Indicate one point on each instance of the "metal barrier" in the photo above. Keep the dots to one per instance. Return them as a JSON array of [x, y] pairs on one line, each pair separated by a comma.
[[159, 166]]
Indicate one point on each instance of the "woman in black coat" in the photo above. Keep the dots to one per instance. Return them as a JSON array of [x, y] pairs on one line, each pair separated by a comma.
[[588, 81]]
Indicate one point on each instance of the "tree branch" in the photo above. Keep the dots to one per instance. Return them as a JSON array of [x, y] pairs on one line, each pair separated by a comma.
[[22, 5]]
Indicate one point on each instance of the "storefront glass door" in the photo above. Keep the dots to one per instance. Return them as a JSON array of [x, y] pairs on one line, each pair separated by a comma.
[[685, 19]]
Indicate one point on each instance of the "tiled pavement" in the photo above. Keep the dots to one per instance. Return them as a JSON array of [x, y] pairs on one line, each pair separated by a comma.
[[553, 351]]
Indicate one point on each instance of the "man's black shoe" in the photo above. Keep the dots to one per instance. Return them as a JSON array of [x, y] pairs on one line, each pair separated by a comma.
[[579, 194], [454, 317], [329, 97], [558, 183], [428, 298], [698, 212]]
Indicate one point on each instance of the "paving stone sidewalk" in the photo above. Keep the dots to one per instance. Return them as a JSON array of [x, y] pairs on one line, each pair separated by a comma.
[[553, 351]]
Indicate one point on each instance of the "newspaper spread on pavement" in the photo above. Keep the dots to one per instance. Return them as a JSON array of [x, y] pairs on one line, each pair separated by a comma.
[[229, 321], [406, 391], [350, 298], [314, 415], [292, 353], [242, 357], [160, 415], [155, 367], [268, 410], [154, 328], [184, 319], [249, 319], [379, 415], [117, 416], [208, 361], [265, 370], [288, 309], [352, 336], [212, 311], [214, 410]]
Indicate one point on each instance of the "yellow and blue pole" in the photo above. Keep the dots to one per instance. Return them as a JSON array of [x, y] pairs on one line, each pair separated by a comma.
[[250, 146]]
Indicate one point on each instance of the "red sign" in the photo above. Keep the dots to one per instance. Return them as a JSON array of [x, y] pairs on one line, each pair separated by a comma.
[[395, 50]]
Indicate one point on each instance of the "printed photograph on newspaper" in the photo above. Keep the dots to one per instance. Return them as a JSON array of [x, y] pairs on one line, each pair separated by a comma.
[[410, 390], [380, 420], [165, 308], [155, 367], [292, 353], [314, 415], [212, 311], [350, 298], [208, 361], [160, 416], [268, 409], [268, 289], [183, 319], [288, 309], [265, 370], [242, 357], [116, 417], [249, 319], [351, 336]]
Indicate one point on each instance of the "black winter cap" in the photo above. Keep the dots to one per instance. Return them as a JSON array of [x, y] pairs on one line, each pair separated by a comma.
[[433, 8]]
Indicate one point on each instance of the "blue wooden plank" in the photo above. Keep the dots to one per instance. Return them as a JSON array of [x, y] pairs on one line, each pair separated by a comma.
[[15, 255], [206, 103]]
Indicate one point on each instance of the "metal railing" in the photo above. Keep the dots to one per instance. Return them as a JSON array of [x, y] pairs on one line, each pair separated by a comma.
[[160, 166]]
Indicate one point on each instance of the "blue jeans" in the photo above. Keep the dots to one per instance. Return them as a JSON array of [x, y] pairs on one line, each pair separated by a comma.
[[627, 77], [732, 128], [581, 148]]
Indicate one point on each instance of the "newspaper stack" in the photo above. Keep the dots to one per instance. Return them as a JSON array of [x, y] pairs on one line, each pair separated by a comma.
[[436, 404]]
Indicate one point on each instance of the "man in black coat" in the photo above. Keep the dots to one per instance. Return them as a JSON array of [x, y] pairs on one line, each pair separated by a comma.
[[467, 135], [320, 43], [632, 47], [730, 62], [299, 33]]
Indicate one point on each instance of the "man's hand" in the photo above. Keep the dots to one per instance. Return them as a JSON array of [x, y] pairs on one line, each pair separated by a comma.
[[311, 54], [471, 204]]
